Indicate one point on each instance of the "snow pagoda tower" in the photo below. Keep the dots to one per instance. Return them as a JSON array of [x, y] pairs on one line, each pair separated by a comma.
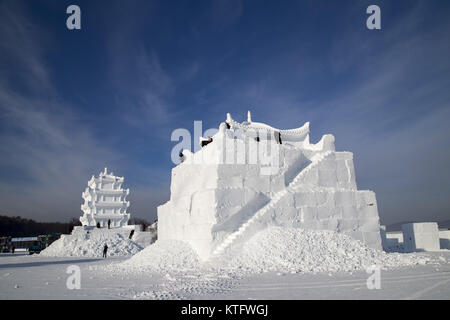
[[105, 199], [249, 176]]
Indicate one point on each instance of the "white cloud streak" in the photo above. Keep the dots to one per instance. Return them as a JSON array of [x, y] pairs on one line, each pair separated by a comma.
[[47, 153]]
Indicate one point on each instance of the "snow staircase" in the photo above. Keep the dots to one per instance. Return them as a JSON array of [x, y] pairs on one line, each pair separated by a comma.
[[316, 159]]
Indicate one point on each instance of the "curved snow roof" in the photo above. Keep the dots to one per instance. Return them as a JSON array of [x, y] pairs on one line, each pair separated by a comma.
[[258, 126]]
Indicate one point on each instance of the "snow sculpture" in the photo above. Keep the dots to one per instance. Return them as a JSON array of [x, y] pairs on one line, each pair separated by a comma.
[[252, 176], [105, 200]]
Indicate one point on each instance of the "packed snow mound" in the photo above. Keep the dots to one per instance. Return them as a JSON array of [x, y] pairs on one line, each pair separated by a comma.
[[301, 251], [274, 249], [163, 256], [91, 245], [143, 239]]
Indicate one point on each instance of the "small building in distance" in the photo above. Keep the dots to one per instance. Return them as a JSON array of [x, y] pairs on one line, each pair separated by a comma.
[[105, 200]]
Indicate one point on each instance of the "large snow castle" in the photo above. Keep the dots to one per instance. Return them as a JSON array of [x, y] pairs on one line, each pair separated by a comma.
[[250, 175]]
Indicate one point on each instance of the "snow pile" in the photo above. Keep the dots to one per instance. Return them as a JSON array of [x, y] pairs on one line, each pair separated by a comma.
[[303, 251], [144, 239], [275, 249], [164, 255], [83, 244]]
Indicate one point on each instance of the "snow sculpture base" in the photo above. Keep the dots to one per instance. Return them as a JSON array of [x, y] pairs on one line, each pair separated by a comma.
[[216, 206], [85, 241]]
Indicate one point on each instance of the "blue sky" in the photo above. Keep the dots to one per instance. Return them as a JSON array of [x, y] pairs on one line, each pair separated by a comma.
[[110, 94]]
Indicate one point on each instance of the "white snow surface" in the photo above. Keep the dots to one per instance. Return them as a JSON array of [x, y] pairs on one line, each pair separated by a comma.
[[38, 277], [91, 244], [274, 249], [302, 251], [276, 263], [163, 256]]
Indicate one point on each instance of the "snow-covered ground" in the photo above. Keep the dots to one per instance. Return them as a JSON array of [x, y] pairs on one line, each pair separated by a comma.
[[276, 263], [83, 244], [38, 277]]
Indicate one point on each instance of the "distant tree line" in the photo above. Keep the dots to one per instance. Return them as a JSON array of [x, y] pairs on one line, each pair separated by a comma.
[[21, 227], [138, 221]]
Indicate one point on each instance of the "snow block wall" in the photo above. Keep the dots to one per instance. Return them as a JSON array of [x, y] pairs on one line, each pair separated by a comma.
[[421, 236], [252, 176]]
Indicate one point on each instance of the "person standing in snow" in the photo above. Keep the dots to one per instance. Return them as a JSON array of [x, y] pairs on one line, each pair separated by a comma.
[[105, 250]]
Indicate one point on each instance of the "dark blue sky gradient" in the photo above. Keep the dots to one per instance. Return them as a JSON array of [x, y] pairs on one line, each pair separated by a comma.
[[110, 94]]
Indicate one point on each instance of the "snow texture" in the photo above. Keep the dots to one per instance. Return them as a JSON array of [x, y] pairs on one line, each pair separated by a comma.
[[165, 256], [46, 278], [303, 251], [274, 249], [83, 244]]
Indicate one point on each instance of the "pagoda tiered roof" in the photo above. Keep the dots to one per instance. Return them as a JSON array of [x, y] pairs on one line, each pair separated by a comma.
[[112, 204]]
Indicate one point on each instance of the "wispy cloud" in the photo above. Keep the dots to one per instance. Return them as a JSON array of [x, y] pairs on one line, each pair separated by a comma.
[[50, 153], [384, 96], [20, 48], [224, 13], [143, 88], [394, 116]]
